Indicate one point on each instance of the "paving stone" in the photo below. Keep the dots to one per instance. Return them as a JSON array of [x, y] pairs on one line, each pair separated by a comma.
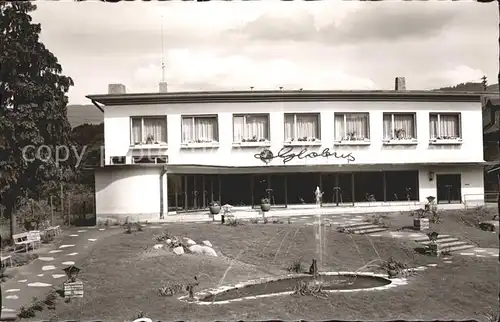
[[55, 251], [92, 239], [66, 246], [39, 284], [46, 259], [48, 268], [12, 290], [68, 263], [73, 254]]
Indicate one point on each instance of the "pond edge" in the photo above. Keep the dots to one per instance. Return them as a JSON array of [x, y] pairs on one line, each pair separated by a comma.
[[394, 282]]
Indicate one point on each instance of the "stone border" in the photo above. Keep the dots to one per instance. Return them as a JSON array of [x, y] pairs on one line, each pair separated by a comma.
[[214, 291]]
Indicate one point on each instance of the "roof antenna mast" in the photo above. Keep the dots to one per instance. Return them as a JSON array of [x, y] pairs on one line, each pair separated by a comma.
[[162, 54], [163, 83]]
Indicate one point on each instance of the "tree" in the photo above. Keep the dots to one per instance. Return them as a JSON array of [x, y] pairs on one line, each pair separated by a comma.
[[32, 106]]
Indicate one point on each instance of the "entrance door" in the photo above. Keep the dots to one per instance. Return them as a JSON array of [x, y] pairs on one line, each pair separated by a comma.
[[449, 188]]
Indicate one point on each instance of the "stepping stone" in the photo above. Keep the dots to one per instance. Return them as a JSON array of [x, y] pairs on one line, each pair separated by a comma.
[[73, 235], [375, 235], [48, 268], [480, 255], [467, 254], [92, 239], [101, 229], [480, 250], [73, 254], [66, 246], [58, 275], [420, 268], [446, 258], [22, 281], [12, 290], [39, 284], [11, 297], [447, 262], [46, 259], [40, 275], [68, 263], [7, 310], [155, 227], [81, 231], [55, 251], [432, 265]]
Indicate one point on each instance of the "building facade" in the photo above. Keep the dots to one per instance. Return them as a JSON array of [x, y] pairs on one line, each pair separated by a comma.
[[175, 152]]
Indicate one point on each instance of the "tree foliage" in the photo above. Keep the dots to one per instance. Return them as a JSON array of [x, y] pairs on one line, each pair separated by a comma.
[[32, 104]]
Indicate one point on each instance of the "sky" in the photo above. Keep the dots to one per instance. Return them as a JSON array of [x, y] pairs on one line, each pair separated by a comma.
[[221, 45]]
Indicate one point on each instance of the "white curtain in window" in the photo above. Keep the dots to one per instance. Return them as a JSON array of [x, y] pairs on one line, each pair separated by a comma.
[[136, 130], [405, 122], [187, 129], [289, 127], [307, 126], [340, 132], [449, 126], [357, 124], [433, 126], [238, 128], [388, 133], [205, 129], [157, 127], [256, 127]]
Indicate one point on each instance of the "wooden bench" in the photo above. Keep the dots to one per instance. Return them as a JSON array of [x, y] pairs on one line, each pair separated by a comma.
[[35, 237], [56, 230], [4, 259], [23, 240]]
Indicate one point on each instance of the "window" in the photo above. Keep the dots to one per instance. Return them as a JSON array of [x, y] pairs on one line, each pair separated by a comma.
[[399, 126], [302, 127], [444, 126], [250, 128], [200, 129], [149, 130], [352, 127]]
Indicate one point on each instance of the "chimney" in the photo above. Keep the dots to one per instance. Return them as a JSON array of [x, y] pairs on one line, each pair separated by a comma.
[[116, 89], [400, 84], [163, 87]]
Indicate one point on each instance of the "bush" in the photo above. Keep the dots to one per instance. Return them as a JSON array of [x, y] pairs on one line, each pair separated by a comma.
[[296, 266], [32, 214]]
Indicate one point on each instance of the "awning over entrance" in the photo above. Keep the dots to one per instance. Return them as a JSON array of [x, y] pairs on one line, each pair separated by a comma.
[[194, 168]]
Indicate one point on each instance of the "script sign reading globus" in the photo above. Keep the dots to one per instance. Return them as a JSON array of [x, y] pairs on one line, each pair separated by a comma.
[[286, 154]]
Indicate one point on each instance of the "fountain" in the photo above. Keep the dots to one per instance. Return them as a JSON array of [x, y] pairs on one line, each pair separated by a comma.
[[319, 236]]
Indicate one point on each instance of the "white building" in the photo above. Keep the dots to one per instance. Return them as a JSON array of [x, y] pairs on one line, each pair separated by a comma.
[[174, 152]]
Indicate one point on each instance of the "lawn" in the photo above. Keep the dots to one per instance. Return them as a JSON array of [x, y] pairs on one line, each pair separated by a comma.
[[122, 275]]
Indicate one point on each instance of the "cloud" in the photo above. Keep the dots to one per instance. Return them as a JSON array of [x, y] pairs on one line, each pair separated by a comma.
[[267, 44]]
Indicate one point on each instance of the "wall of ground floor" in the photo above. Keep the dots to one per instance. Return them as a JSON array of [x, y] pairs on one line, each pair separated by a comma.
[[148, 193]]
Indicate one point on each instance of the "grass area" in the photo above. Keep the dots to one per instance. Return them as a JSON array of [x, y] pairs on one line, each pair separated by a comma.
[[122, 275]]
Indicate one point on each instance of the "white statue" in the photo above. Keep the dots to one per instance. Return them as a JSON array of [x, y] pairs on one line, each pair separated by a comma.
[[318, 195]]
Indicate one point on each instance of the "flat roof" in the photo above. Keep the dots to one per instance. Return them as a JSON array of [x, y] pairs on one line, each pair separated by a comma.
[[283, 96]]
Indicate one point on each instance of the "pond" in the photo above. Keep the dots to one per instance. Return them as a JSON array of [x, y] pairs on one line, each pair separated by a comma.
[[284, 285]]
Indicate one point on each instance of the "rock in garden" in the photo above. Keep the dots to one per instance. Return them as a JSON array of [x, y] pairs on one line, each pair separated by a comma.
[[168, 241], [189, 241], [158, 246], [179, 250], [207, 243], [202, 250]]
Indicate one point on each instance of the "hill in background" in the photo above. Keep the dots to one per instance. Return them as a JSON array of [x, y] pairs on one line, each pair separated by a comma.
[[469, 87], [84, 114]]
